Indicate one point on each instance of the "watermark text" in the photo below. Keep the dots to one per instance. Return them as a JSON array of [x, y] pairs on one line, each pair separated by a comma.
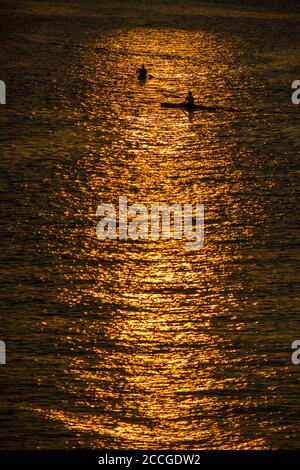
[[163, 221], [2, 92], [2, 352], [296, 93]]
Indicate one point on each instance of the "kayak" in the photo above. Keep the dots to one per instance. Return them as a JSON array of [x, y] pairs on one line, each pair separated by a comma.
[[143, 79], [189, 107]]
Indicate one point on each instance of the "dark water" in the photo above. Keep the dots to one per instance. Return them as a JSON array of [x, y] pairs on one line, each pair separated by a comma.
[[144, 344]]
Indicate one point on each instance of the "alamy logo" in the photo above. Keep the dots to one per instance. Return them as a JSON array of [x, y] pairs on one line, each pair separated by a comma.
[[2, 352], [2, 92], [296, 93], [136, 222], [296, 353]]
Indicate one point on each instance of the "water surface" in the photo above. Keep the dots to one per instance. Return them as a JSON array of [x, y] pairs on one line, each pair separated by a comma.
[[146, 345]]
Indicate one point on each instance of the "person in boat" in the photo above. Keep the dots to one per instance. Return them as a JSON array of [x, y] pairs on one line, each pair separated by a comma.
[[143, 73], [190, 100]]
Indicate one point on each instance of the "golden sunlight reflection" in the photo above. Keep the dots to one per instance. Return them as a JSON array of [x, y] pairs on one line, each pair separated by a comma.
[[153, 336]]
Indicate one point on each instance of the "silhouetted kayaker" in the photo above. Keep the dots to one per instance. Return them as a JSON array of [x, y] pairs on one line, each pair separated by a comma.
[[143, 73], [190, 100]]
